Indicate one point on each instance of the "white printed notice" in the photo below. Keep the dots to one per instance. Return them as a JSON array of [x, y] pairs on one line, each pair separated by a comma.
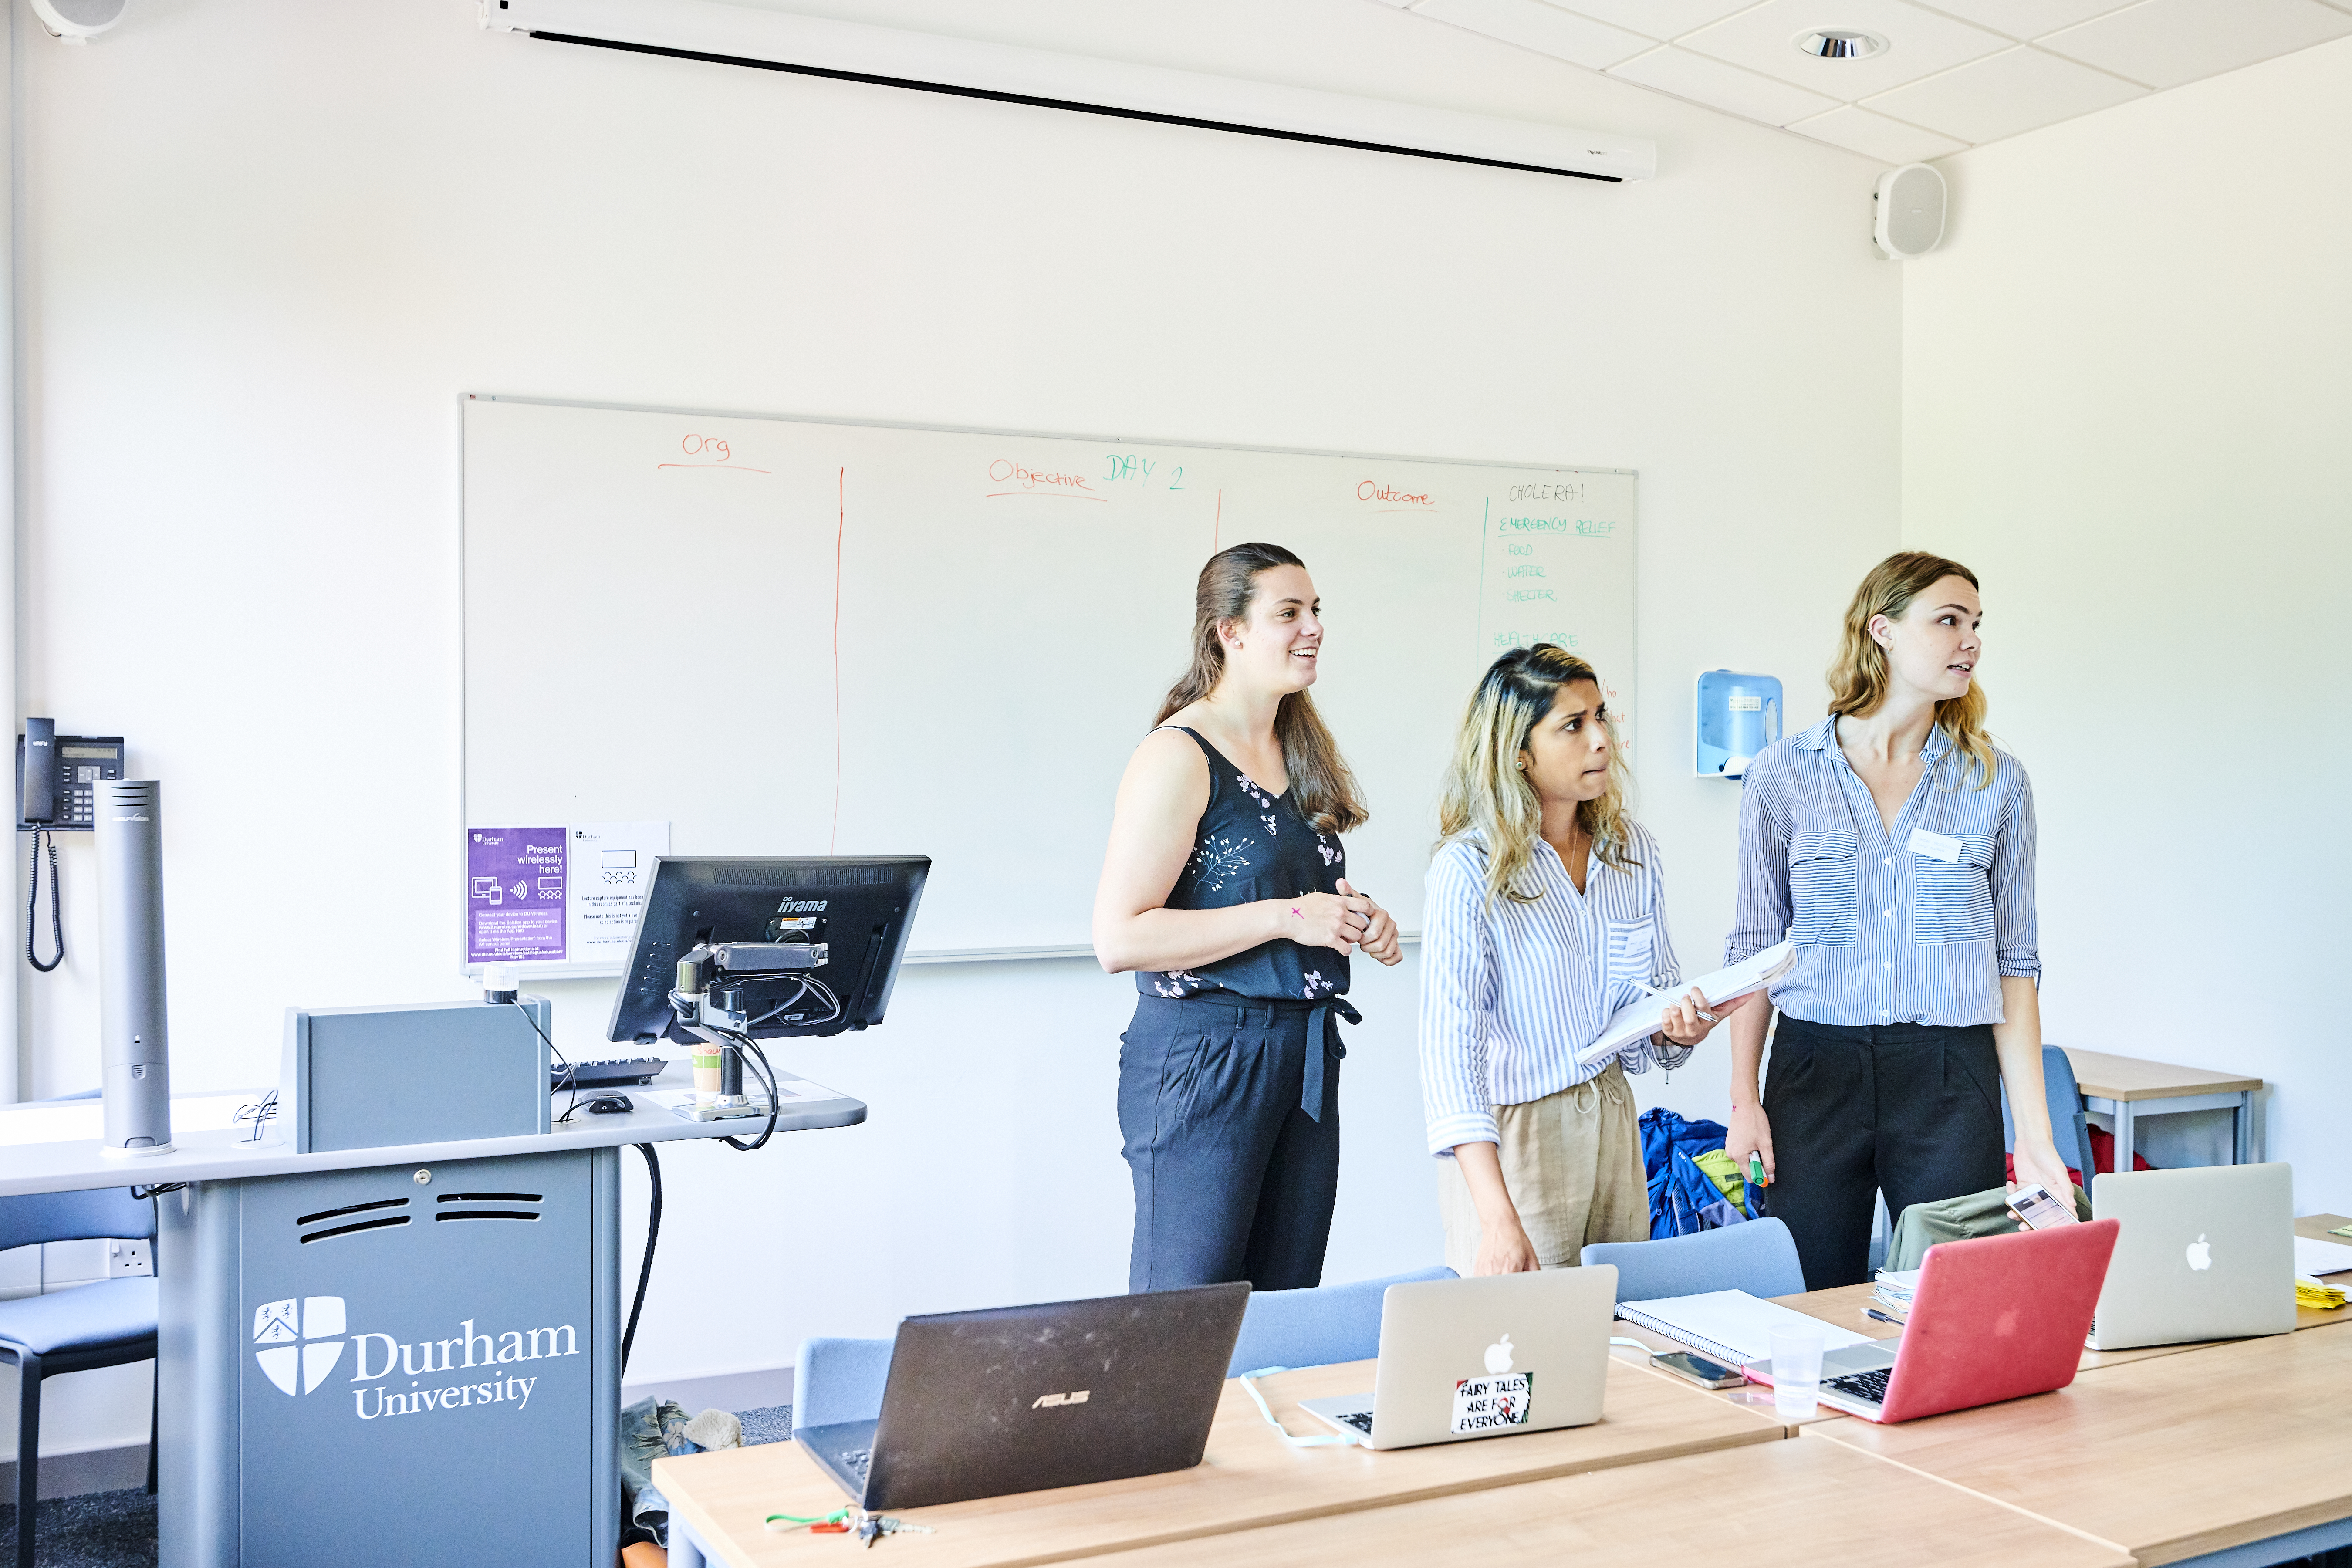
[[560, 899], [1494, 1403]]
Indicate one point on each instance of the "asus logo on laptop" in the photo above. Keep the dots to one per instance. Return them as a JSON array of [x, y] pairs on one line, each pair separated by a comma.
[[1044, 1400]]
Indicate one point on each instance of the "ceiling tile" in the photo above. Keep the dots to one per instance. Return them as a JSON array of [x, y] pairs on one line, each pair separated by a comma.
[[1921, 43], [1719, 86], [2004, 94], [1658, 18], [2026, 18], [1876, 135], [2167, 42], [1546, 29]]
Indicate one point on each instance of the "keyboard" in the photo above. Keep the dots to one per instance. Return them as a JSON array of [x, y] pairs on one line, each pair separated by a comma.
[[1361, 1420], [1869, 1385], [858, 1461]]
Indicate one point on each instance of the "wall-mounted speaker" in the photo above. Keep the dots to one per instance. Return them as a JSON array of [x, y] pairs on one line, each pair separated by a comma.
[[1908, 221], [77, 21]]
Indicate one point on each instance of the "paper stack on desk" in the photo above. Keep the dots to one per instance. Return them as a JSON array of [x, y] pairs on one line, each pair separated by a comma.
[[2317, 1258], [1638, 1020], [1894, 1289]]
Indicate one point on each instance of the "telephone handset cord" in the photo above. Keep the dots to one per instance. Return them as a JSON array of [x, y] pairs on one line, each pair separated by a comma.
[[33, 905]]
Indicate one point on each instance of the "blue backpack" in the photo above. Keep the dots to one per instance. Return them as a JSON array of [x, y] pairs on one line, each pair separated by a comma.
[[1683, 1199]]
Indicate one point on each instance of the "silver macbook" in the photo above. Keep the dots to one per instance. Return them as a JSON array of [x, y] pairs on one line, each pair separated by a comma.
[[1482, 1358], [2206, 1253]]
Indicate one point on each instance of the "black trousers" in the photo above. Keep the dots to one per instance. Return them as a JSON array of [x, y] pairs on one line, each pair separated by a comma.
[[1913, 1109], [1232, 1179]]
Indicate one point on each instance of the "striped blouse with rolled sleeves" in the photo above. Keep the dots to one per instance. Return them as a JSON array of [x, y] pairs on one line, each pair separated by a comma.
[[1509, 991], [1889, 927]]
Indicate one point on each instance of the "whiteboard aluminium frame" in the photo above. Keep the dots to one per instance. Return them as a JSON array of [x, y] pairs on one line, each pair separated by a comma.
[[949, 954]]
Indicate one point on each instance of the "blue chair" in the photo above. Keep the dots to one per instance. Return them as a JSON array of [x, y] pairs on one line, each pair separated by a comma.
[[1319, 1326], [839, 1380], [1758, 1257], [106, 1324], [2070, 1127]]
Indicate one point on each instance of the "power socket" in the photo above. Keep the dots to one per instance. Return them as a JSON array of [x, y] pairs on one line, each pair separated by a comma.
[[128, 1260]]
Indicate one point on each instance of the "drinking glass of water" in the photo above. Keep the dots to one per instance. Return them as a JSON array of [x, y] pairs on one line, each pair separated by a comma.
[[1796, 1372]]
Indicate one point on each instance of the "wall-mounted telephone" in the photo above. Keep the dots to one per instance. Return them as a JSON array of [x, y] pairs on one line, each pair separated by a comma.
[[57, 791]]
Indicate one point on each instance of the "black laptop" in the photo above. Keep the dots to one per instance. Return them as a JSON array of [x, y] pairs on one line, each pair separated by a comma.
[[1018, 1399]]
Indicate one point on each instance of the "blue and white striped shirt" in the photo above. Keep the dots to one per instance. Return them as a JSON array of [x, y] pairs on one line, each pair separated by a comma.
[[1886, 933], [1509, 991]]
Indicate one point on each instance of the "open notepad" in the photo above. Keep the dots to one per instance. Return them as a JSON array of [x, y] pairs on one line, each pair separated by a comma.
[[1732, 1326], [1636, 1020]]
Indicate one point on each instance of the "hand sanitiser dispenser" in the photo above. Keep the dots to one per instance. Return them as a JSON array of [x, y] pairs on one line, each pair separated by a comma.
[[1738, 715]]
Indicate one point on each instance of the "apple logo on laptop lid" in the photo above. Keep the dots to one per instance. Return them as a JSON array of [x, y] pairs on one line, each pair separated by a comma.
[[1499, 1357], [2200, 1256]]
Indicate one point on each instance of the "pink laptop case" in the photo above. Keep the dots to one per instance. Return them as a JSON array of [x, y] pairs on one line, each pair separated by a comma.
[[1999, 1318]]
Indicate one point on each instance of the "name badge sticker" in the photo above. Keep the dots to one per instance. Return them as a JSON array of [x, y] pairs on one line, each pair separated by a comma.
[[1935, 846], [1496, 1404]]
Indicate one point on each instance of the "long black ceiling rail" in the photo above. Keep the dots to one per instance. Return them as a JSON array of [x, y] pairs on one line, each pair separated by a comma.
[[1071, 104]]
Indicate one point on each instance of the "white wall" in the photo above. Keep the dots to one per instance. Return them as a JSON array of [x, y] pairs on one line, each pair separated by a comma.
[[261, 262], [2126, 407]]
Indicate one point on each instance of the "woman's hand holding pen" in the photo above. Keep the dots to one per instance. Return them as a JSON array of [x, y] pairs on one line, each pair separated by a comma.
[[1690, 1020]]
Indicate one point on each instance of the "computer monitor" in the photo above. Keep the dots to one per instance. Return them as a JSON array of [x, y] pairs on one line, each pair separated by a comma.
[[859, 911]]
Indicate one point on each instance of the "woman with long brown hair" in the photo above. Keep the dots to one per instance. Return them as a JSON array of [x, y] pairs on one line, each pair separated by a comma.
[[1224, 889], [1546, 914], [1892, 843]]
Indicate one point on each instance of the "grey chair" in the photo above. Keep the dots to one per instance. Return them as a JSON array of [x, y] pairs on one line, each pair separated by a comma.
[[2070, 1127], [109, 1323]]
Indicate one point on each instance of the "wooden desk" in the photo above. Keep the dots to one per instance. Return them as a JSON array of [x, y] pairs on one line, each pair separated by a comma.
[[2122, 1087], [1779, 1505], [2166, 1458], [1249, 1479]]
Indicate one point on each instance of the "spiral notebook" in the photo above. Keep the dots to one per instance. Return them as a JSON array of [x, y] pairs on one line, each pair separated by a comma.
[[1732, 1326]]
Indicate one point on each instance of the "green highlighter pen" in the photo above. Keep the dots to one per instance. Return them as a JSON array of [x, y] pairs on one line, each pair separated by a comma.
[[1756, 1169]]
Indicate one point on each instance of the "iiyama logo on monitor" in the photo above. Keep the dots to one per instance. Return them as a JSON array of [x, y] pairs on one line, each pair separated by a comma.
[[300, 1340], [1045, 1401], [802, 906]]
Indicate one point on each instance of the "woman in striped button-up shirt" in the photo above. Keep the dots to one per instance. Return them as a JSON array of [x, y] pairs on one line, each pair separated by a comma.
[[1894, 845], [1546, 914]]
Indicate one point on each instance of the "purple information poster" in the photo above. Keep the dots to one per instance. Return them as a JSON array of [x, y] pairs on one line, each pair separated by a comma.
[[514, 894]]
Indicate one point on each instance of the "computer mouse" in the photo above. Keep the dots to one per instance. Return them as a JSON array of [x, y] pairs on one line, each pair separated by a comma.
[[610, 1105]]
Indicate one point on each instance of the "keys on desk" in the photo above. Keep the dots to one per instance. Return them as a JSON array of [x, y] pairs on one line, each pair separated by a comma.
[[874, 1526]]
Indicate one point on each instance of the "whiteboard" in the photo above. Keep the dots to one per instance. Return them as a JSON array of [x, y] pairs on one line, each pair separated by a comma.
[[790, 637]]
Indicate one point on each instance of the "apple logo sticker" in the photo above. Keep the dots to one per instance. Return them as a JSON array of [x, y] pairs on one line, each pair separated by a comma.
[[1498, 1356], [2200, 1257]]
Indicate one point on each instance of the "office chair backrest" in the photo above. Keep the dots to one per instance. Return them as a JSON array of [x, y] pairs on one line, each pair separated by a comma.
[[1317, 1327], [1758, 1257], [110, 1212]]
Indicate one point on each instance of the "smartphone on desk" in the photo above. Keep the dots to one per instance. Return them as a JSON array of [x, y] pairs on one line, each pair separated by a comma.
[[1699, 1370], [2040, 1208]]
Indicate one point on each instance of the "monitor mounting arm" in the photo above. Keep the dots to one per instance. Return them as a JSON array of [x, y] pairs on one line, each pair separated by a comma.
[[708, 1005]]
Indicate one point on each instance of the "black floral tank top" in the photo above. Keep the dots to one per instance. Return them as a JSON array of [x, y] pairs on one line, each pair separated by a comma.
[[1251, 845]]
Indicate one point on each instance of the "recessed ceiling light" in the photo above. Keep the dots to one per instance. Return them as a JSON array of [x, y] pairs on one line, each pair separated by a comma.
[[1839, 44]]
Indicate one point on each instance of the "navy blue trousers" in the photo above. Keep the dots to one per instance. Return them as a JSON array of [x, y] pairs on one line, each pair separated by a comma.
[[1232, 1179]]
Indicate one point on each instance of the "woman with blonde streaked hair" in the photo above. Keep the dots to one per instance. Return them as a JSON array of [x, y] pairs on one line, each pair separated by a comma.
[[1893, 844], [1544, 915]]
